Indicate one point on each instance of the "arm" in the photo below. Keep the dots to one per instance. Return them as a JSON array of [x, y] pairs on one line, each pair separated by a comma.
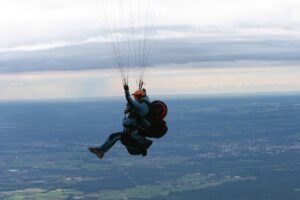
[[141, 108]]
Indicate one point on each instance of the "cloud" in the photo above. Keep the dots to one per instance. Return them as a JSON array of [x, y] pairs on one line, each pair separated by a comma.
[[35, 22], [169, 52], [64, 35]]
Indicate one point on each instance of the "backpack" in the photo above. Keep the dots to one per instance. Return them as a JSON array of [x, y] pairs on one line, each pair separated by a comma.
[[158, 128]]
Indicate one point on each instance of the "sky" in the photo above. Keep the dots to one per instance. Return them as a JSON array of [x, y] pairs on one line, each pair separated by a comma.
[[55, 49]]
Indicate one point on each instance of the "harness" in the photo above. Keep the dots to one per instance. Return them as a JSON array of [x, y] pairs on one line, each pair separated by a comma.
[[152, 124]]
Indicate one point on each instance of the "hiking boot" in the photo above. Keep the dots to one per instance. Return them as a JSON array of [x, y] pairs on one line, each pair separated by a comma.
[[144, 151], [96, 150], [147, 144]]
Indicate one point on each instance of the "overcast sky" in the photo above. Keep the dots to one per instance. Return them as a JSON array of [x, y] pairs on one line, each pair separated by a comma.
[[58, 49]]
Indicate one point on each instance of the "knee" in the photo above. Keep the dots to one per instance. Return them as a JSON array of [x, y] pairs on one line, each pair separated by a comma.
[[129, 122]]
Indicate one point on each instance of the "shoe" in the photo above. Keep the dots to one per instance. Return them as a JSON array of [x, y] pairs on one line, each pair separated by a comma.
[[144, 152], [96, 150], [147, 144]]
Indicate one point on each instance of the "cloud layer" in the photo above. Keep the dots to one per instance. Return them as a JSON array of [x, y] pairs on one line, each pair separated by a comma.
[[33, 22], [171, 52]]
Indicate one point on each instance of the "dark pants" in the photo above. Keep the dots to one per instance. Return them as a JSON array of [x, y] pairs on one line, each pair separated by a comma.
[[111, 140]]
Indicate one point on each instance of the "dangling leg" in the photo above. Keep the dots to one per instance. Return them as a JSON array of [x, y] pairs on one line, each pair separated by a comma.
[[143, 141], [111, 140], [131, 127]]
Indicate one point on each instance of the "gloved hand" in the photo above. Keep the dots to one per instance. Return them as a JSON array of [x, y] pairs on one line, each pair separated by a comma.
[[126, 88]]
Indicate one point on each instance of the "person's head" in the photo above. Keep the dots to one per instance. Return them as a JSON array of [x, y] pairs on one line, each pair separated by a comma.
[[139, 94]]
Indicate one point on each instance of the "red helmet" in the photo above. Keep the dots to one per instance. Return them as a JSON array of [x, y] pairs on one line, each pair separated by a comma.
[[139, 93]]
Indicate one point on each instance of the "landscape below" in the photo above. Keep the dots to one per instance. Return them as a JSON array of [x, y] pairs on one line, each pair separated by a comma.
[[230, 148]]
